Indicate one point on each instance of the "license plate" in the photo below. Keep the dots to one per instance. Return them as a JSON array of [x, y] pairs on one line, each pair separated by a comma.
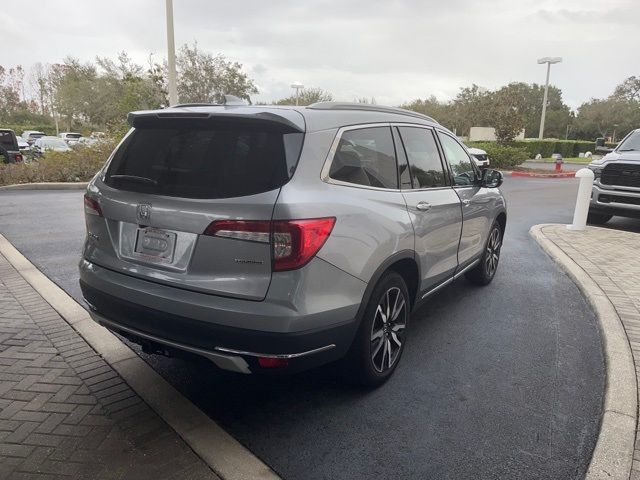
[[155, 245]]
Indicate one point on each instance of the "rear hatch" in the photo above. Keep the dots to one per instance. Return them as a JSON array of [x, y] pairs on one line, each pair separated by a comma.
[[175, 184]]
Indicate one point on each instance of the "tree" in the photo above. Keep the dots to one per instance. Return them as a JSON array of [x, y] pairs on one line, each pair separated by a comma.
[[203, 78], [507, 113], [629, 90], [440, 111], [307, 96]]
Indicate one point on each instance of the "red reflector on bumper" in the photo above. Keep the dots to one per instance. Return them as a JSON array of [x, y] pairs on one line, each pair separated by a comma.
[[268, 362]]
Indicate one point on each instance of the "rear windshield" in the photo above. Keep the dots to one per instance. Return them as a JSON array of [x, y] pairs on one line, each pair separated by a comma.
[[8, 140], [72, 135], [204, 160]]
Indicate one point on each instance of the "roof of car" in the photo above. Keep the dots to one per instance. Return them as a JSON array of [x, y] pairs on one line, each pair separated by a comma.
[[315, 117]]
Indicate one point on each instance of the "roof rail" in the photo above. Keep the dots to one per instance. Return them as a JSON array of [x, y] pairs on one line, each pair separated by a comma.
[[228, 100], [369, 108]]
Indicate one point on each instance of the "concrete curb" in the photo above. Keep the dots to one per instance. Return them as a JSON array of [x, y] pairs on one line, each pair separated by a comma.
[[47, 186], [613, 455], [224, 454]]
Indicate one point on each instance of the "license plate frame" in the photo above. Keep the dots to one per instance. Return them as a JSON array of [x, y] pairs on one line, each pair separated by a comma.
[[155, 245]]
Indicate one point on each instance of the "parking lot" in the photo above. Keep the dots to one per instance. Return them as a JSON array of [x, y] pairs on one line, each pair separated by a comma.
[[505, 381]]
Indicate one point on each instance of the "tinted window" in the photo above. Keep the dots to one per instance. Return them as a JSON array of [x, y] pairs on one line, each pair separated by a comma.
[[461, 166], [8, 140], [424, 158], [202, 161], [366, 157]]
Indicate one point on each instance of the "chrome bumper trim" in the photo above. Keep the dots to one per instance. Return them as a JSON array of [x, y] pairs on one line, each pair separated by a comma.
[[276, 355]]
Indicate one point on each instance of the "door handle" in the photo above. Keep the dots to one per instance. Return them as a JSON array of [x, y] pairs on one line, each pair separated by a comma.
[[466, 202], [423, 206]]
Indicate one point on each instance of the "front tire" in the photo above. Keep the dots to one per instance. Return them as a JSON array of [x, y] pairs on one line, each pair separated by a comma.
[[379, 343], [483, 273], [598, 218]]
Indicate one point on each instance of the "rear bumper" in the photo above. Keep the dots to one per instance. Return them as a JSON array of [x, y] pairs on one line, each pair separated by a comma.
[[625, 203], [147, 312]]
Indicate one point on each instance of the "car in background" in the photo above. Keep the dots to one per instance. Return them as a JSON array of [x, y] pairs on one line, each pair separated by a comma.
[[616, 183], [30, 136], [9, 149], [479, 156], [70, 137], [51, 144]]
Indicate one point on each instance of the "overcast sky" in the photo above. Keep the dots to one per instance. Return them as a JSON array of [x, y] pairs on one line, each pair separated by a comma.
[[392, 50]]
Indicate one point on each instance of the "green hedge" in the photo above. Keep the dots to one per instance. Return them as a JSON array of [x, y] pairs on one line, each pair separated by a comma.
[[546, 148], [502, 156]]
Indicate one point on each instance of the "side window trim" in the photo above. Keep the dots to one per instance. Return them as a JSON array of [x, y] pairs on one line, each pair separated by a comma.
[[326, 168], [473, 164], [443, 163], [400, 150]]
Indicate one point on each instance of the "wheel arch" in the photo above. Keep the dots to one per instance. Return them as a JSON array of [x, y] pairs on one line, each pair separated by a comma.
[[403, 263]]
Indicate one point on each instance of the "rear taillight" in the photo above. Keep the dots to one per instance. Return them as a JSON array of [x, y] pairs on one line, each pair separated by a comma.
[[91, 206], [19, 157], [294, 242]]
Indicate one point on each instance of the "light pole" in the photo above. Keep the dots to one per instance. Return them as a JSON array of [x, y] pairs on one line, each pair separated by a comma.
[[297, 86], [171, 54], [548, 61], [613, 140]]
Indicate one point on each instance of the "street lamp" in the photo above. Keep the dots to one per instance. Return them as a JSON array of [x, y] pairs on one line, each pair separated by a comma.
[[613, 140], [548, 61], [297, 86], [171, 54]]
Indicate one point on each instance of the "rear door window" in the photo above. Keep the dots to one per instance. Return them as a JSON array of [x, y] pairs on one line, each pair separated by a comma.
[[366, 156], [176, 158], [424, 157]]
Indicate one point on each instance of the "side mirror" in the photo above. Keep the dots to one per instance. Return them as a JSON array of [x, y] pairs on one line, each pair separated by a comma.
[[492, 178]]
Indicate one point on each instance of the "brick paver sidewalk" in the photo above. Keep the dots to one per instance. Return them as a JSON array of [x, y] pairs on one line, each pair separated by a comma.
[[612, 259], [65, 413]]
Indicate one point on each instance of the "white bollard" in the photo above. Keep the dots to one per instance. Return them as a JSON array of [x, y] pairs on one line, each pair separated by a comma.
[[582, 201]]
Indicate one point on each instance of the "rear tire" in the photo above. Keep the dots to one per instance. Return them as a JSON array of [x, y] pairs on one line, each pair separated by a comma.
[[598, 218], [483, 273], [379, 343]]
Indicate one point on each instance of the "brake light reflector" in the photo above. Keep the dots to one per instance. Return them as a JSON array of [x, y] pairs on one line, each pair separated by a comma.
[[270, 362], [91, 206], [295, 242]]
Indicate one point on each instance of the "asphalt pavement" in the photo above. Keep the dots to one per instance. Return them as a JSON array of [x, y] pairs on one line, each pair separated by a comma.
[[499, 381]]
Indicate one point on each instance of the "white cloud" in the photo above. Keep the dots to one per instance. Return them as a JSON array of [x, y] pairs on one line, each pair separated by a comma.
[[392, 50]]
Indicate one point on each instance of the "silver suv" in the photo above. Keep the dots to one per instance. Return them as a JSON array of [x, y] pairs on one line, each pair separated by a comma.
[[616, 186], [280, 238]]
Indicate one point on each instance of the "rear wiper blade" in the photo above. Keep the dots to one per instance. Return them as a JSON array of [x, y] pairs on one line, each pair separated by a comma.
[[134, 178]]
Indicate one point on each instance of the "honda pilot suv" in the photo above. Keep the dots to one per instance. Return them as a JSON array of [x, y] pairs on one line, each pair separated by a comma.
[[272, 238], [616, 184]]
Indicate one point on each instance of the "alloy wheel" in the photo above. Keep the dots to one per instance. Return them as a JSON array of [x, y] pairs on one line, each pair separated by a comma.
[[387, 330], [492, 254]]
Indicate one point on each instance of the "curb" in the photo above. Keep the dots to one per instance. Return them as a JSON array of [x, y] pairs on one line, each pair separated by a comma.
[[613, 453], [540, 175], [223, 453], [46, 186]]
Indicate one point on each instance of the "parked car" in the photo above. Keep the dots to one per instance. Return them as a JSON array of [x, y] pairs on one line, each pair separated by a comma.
[[281, 238], [479, 156], [70, 137], [31, 136], [44, 144], [23, 145], [9, 149], [616, 186]]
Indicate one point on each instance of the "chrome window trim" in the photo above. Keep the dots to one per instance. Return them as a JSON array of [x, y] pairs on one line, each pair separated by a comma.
[[326, 168]]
